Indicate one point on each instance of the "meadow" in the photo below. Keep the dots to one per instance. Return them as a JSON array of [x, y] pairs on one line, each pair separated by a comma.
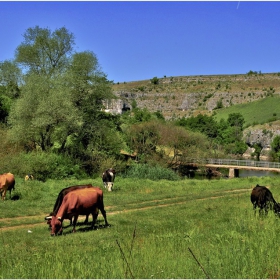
[[159, 229], [251, 111]]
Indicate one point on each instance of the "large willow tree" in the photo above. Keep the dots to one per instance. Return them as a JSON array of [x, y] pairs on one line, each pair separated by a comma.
[[61, 97]]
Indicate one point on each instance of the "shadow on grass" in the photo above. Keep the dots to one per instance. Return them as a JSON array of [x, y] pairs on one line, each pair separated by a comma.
[[85, 228]]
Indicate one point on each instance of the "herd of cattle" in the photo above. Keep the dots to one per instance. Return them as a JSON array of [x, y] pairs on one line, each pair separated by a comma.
[[88, 200]]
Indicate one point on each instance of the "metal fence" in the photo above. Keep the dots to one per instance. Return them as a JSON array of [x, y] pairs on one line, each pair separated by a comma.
[[234, 162]]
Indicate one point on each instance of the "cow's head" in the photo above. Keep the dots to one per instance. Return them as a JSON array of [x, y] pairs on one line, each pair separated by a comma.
[[55, 224]]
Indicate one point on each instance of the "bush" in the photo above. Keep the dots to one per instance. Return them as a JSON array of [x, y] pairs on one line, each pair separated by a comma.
[[44, 166], [145, 171], [155, 81]]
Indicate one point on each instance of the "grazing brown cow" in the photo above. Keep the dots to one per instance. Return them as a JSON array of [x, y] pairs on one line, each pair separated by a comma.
[[7, 183], [79, 202], [108, 178], [262, 197], [60, 197]]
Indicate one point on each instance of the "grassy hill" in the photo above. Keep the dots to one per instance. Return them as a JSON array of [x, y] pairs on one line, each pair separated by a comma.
[[257, 112]]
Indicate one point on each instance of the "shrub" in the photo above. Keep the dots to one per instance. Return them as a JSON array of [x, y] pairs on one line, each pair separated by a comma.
[[145, 171], [155, 80], [44, 166]]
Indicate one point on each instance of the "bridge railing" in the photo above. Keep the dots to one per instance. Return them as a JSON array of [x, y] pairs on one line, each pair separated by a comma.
[[236, 162]]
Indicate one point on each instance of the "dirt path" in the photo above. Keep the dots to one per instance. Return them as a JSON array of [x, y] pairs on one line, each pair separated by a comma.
[[110, 209]]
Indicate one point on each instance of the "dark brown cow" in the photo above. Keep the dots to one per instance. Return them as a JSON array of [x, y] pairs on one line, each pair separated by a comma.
[[60, 197], [262, 197], [79, 202], [7, 183], [108, 178]]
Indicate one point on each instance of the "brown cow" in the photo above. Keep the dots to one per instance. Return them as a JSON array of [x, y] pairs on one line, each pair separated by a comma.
[[262, 197], [60, 197], [79, 202], [7, 183]]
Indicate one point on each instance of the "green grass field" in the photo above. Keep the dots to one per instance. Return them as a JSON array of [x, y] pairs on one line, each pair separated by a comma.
[[180, 229], [257, 112]]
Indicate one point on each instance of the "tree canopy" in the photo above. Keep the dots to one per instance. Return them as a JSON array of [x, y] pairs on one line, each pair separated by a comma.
[[62, 94]]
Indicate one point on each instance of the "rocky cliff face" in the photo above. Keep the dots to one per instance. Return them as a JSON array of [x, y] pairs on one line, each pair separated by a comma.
[[188, 95], [263, 135]]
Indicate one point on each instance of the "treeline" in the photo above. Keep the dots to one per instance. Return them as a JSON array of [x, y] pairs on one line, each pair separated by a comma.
[[54, 124]]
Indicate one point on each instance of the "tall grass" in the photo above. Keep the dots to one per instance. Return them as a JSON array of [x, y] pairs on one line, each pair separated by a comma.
[[146, 171], [153, 226]]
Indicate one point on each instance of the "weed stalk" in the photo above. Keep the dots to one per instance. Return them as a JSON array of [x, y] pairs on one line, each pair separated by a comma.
[[199, 263], [123, 255]]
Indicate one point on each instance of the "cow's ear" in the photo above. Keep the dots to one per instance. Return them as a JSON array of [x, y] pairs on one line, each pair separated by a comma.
[[48, 218]]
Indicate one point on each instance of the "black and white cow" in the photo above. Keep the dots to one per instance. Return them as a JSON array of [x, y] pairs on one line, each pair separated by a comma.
[[108, 178]]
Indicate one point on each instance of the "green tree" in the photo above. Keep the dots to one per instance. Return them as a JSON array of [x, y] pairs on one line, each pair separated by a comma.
[[258, 148], [236, 119], [44, 114], [155, 80], [62, 95], [5, 103], [275, 148], [201, 123], [10, 78], [44, 52], [89, 87]]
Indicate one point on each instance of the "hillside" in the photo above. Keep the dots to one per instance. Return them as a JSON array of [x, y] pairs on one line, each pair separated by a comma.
[[189, 95], [256, 96]]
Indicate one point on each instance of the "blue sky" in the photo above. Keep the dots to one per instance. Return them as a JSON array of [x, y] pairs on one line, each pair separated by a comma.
[[141, 40]]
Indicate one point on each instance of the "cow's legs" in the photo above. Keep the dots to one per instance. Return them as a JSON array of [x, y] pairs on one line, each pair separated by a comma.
[[74, 223], [94, 217], [103, 212], [86, 220], [4, 194], [110, 185], [254, 208]]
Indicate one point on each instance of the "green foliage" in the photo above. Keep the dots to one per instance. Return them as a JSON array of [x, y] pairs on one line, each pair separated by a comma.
[[207, 96], [236, 148], [145, 171], [275, 148], [219, 104], [5, 104], [155, 81], [134, 104], [258, 148], [44, 166], [59, 109], [252, 73], [226, 132], [236, 120], [10, 79], [44, 113], [202, 123], [44, 52], [165, 143]]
